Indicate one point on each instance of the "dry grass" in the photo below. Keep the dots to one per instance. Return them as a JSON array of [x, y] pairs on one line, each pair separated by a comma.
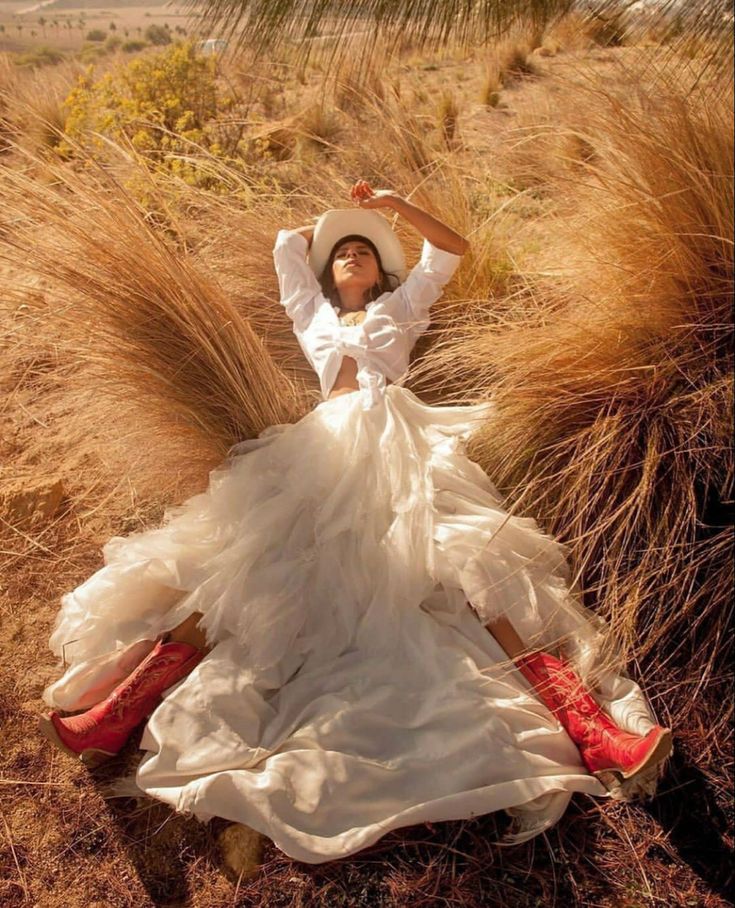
[[142, 335], [617, 389], [508, 62], [447, 116]]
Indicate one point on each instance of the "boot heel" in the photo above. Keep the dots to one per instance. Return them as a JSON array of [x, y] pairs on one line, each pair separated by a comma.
[[641, 786], [655, 758], [613, 781], [93, 758], [638, 783]]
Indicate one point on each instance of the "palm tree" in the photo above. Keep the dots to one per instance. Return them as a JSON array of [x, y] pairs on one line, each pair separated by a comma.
[[270, 24]]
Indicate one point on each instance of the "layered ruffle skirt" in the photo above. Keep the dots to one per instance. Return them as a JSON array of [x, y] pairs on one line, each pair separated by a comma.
[[345, 567]]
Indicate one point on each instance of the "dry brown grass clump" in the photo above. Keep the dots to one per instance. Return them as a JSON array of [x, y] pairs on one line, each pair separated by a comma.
[[128, 326], [31, 111], [616, 393], [508, 61]]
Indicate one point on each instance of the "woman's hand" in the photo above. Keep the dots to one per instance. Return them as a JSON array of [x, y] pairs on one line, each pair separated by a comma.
[[362, 195]]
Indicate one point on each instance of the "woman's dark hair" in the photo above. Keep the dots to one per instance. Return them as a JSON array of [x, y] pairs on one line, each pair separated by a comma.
[[386, 282]]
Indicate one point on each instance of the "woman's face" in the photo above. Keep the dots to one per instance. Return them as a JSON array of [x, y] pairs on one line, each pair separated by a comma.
[[354, 265]]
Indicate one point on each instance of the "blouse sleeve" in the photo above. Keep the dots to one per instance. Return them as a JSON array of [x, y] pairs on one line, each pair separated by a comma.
[[412, 300], [299, 288]]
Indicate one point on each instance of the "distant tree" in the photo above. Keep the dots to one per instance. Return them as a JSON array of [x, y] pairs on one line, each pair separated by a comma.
[[96, 34], [33, 33], [2, 28], [113, 27], [42, 22]]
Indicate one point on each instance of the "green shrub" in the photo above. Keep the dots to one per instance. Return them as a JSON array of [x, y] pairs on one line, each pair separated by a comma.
[[41, 56], [132, 47], [96, 34], [165, 104], [113, 42], [157, 34], [90, 53]]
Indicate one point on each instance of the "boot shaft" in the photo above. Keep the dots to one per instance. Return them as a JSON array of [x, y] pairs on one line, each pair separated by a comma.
[[104, 729], [604, 747]]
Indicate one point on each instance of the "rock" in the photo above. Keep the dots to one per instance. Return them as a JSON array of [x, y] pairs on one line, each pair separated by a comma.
[[241, 849], [35, 500]]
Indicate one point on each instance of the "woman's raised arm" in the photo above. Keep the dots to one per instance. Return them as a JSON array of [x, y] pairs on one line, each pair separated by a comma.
[[299, 288], [306, 232], [432, 229]]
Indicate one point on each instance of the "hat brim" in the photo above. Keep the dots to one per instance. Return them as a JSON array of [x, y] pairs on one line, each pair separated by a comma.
[[339, 222]]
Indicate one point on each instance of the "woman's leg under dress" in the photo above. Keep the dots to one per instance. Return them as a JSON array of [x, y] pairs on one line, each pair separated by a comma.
[[619, 759]]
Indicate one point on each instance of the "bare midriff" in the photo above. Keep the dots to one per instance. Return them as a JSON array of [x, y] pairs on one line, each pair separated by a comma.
[[346, 381]]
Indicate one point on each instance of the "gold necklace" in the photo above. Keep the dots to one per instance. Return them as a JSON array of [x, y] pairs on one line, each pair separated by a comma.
[[352, 318]]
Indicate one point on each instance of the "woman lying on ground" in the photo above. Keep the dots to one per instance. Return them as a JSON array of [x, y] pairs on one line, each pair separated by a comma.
[[346, 632]]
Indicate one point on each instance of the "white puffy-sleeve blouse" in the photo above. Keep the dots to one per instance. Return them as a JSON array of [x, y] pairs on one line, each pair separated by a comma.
[[382, 342]]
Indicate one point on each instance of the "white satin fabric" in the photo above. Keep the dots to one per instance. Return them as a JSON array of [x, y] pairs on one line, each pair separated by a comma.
[[351, 688]]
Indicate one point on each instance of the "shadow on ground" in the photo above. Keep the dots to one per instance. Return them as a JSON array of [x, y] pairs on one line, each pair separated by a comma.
[[698, 828]]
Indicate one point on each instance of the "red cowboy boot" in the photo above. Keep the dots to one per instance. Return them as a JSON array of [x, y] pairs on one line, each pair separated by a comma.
[[101, 732], [625, 763]]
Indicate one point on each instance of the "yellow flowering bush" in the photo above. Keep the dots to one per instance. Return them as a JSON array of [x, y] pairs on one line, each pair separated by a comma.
[[165, 104]]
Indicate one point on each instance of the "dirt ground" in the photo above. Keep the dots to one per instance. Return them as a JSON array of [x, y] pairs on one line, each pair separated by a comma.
[[65, 29]]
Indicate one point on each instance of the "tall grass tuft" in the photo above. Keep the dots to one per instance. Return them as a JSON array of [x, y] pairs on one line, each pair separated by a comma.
[[448, 115], [615, 390], [127, 307]]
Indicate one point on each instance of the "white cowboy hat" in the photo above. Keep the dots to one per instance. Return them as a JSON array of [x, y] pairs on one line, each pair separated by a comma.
[[339, 222]]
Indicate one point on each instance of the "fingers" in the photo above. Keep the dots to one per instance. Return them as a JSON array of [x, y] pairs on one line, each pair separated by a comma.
[[361, 191]]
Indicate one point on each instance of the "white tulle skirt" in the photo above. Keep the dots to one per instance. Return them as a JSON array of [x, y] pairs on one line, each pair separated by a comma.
[[345, 566]]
